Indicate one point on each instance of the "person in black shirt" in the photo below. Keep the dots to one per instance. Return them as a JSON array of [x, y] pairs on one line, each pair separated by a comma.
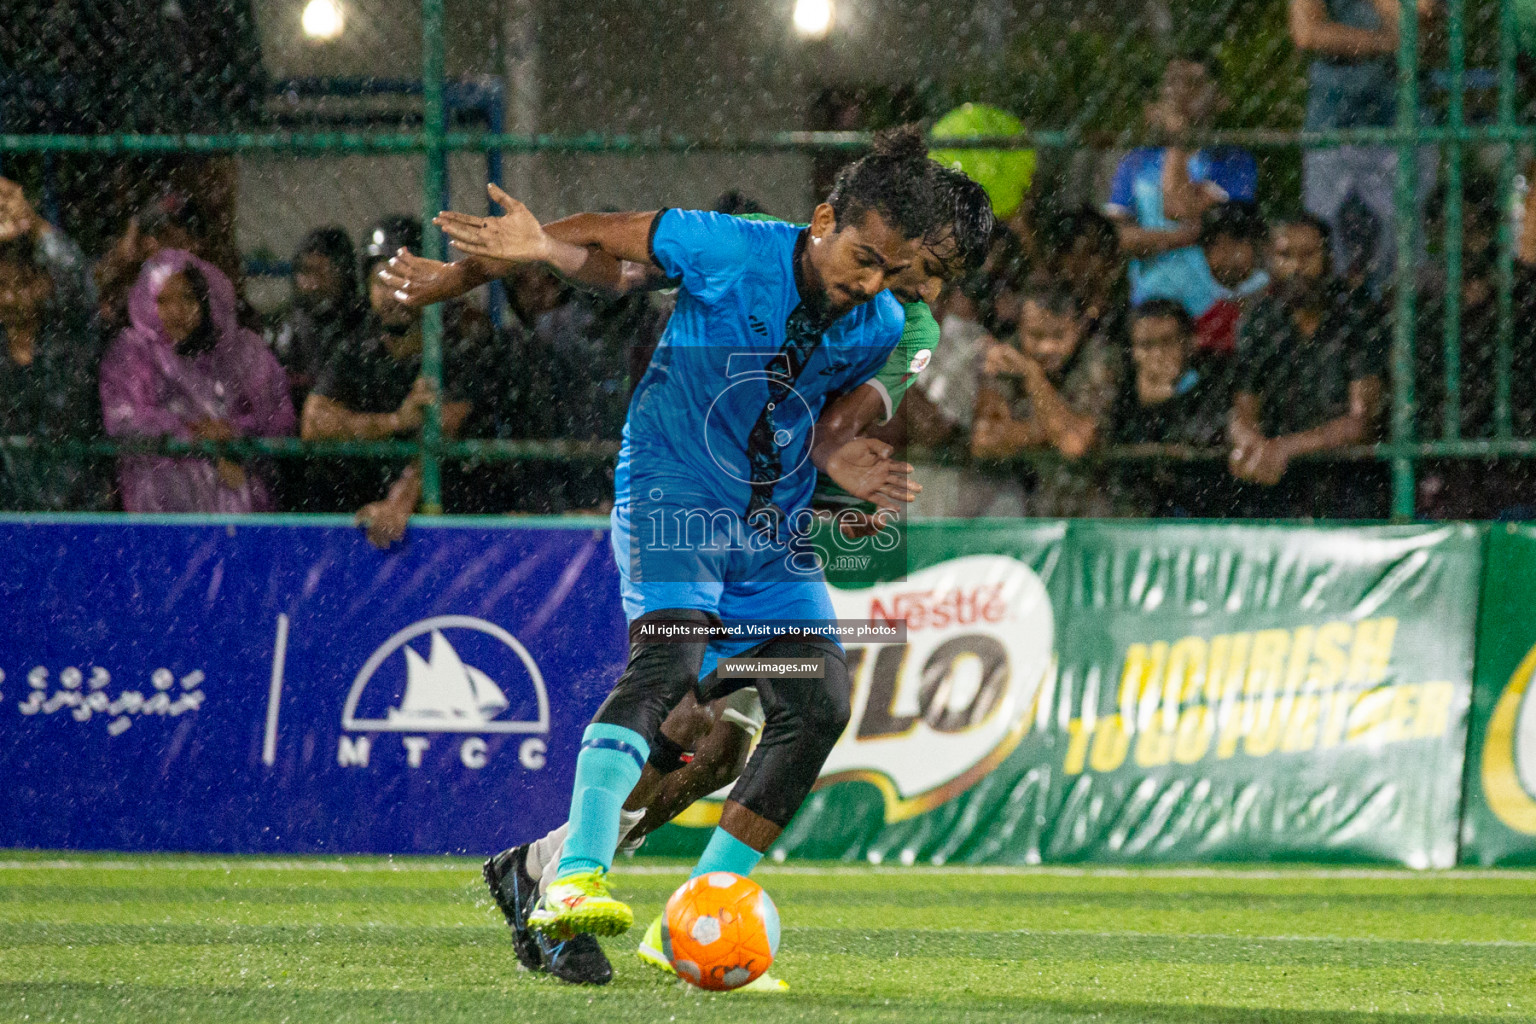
[[574, 350], [1311, 361], [49, 351], [325, 308], [1082, 248], [371, 389], [1177, 396]]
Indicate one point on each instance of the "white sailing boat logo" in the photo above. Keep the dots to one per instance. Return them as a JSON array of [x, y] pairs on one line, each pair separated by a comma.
[[442, 693], [443, 689]]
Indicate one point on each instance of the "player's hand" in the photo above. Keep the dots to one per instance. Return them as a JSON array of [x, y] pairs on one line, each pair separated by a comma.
[[417, 281], [515, 237], [385, 522], [864, 468], [411, 413]]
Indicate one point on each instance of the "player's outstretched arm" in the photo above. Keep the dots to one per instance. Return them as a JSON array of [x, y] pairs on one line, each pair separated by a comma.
[[624, 236], [518, 237], [495, 246], [417, 281]]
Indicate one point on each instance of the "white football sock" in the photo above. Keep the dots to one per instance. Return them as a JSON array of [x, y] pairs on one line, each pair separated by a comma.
[[542, 852], [627, 822], [550, 867]]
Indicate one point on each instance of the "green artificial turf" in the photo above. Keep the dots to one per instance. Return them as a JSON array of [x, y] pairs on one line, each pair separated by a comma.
[[148, 939]]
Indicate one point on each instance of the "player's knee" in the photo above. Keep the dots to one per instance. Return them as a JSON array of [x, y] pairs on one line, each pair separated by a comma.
[[689, 722], [825, 717], [655, 680], [823, 708]]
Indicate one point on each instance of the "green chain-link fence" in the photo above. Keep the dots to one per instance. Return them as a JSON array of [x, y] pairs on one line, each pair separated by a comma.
[[1077, 75]]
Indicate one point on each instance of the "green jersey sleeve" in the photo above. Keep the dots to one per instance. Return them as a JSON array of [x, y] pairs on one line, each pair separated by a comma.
[[919, 339]]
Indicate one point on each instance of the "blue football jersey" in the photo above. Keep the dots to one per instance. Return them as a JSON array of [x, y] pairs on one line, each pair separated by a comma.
[[723, 418]]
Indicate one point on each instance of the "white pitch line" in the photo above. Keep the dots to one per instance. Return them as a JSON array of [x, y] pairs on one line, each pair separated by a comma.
[[275, 693], [813, 870], [1217, 937]]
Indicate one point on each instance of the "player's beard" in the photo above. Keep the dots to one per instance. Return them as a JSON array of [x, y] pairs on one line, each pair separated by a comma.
[[819, 301]]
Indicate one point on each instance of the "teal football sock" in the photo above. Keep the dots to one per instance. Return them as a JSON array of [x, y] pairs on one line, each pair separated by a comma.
[[606, 770], [726, 853]]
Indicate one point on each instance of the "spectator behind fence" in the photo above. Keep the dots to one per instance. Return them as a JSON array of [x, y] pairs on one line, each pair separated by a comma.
[[1466, 488], [934, 419], [1176, 396], [184, 368], [373, 389], [172, 220], [1311, 361], [1159, 195], [573, 350], [1232, 237], [1352, 83], [1083, 253], [48, 384], [1053, 392], [324, 308]]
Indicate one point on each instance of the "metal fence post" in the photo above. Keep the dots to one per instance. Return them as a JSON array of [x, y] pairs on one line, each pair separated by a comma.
[[1503, 365], [1456, 114], [1406, 206], [432, 61]]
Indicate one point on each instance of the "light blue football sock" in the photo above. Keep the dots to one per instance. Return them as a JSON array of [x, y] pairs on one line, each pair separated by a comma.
[[726, 853], [606, 770]]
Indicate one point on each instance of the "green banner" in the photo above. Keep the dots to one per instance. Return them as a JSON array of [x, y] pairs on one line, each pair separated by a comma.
[[1136, 692], [1499, 824]]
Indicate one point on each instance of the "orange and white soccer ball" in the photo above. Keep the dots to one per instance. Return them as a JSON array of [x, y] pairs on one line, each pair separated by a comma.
[[722, 931]]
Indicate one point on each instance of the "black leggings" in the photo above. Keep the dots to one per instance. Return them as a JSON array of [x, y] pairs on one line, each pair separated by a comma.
[[657, 676], [803, 718]]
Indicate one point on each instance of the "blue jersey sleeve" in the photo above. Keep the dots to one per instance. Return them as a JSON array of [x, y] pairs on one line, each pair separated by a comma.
[[706, 252]]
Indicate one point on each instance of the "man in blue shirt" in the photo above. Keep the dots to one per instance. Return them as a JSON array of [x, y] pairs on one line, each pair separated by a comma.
[[713, 490], [1159, 194]]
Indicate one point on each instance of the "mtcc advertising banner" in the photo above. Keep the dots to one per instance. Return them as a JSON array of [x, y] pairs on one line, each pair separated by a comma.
[[1100, 691], [250, 687]]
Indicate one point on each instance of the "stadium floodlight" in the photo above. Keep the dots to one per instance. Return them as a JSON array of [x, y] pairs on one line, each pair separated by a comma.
[[323, 20], [813, 18]]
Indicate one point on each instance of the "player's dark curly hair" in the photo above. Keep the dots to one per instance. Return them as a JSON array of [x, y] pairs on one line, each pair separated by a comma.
[[896, 181], [971, 220]]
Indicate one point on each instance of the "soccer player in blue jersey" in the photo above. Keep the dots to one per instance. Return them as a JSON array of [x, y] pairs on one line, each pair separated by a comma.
[[717, 734], [713, 482]]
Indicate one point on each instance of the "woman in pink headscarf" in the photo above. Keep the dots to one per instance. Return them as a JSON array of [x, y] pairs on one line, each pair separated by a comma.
[[184, 368]]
